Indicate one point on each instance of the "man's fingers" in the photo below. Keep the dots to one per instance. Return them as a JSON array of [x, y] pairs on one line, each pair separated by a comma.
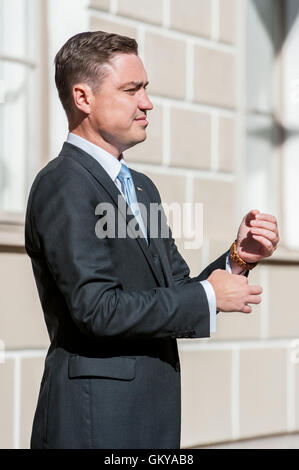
[[251, 215], [255, 290], [266, 217], [263, 224], [253, 212], [254, 299], [271, 236], [246, 309]]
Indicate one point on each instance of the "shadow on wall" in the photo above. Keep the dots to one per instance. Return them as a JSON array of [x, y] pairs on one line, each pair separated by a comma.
[[288, 12], [278, 18]]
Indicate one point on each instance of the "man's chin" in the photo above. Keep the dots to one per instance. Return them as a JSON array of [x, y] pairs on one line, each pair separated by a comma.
[[134, 140], [137, 139]]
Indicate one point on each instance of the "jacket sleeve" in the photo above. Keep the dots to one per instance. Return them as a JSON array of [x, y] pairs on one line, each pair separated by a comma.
[[60, 227]]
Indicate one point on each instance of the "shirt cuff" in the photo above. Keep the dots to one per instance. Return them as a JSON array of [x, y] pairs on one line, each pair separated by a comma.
[[211, 296], [228, 266]]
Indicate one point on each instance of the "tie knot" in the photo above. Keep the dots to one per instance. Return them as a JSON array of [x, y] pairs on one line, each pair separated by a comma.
[[124, 173]]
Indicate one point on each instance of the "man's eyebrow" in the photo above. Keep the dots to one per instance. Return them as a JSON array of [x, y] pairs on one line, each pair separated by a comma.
[[134, 84]]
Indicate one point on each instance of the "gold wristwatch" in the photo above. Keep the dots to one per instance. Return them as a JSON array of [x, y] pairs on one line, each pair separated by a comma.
[[238, 260]]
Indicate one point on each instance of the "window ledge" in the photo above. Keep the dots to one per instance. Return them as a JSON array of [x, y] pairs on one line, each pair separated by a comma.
[[12, 230]]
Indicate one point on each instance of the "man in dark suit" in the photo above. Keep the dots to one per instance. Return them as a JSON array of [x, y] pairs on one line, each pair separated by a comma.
[[114, 305]]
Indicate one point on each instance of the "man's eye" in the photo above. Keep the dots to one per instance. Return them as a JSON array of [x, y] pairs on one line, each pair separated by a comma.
[[131, 90]]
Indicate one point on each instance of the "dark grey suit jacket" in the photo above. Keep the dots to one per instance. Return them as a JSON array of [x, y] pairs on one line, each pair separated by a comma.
[[113, 309]]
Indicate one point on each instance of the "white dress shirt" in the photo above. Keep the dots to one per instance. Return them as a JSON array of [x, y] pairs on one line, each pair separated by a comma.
[[112, 166]]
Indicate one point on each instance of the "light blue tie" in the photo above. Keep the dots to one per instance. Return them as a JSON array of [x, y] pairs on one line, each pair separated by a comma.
[[129, 192]]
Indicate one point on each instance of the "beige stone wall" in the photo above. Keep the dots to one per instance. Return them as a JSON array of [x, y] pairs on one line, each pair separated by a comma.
[[23, 331], [240, 383]]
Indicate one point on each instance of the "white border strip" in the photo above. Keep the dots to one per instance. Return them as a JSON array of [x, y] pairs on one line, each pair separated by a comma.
[[212, 345], [2, 352], [264, 306], [215, 20], [24, 354], [291, 387], [17, 402], [214, 141], [189, 74], [166, 136], [189, 195], [235, 393], [113, 7], [166, 14], [141, 43]]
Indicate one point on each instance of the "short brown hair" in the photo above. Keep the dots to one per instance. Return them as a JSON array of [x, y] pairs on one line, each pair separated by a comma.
[[82, 57]]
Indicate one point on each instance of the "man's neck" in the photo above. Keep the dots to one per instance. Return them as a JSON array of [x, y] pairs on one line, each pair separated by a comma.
[[99, 141]]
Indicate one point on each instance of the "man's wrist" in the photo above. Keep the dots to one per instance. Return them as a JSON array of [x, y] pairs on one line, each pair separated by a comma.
[[232, 267], [236, 269], [237, 260]]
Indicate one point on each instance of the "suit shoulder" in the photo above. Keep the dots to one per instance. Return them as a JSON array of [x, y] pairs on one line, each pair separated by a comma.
[[59, 171], [58, 166], [60, 175]]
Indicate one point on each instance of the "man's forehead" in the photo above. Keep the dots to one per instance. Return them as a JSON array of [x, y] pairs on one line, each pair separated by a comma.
[[128, 70]]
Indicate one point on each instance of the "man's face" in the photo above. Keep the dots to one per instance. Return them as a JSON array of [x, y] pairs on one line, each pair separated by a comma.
[[120, 105]]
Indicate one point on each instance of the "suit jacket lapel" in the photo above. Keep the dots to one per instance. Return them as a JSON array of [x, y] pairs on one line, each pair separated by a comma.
[[98, 172], [156, 242]]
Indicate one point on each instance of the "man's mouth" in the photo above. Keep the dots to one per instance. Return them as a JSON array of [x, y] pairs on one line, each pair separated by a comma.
[[142, 119]]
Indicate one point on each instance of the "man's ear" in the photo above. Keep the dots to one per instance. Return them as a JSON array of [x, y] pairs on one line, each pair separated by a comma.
[[82, 97]]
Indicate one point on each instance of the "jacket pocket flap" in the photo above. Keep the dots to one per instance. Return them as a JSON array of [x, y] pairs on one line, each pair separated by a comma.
[[110, 367]]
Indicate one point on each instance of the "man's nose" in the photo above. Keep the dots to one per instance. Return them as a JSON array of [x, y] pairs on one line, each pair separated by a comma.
[[145, 102]]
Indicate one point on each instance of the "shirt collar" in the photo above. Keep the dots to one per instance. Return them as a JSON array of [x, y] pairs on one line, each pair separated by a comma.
[[110, 164]]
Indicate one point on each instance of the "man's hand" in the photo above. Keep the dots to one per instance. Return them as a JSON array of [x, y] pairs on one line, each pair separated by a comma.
[[233, 294], [257, 237]]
